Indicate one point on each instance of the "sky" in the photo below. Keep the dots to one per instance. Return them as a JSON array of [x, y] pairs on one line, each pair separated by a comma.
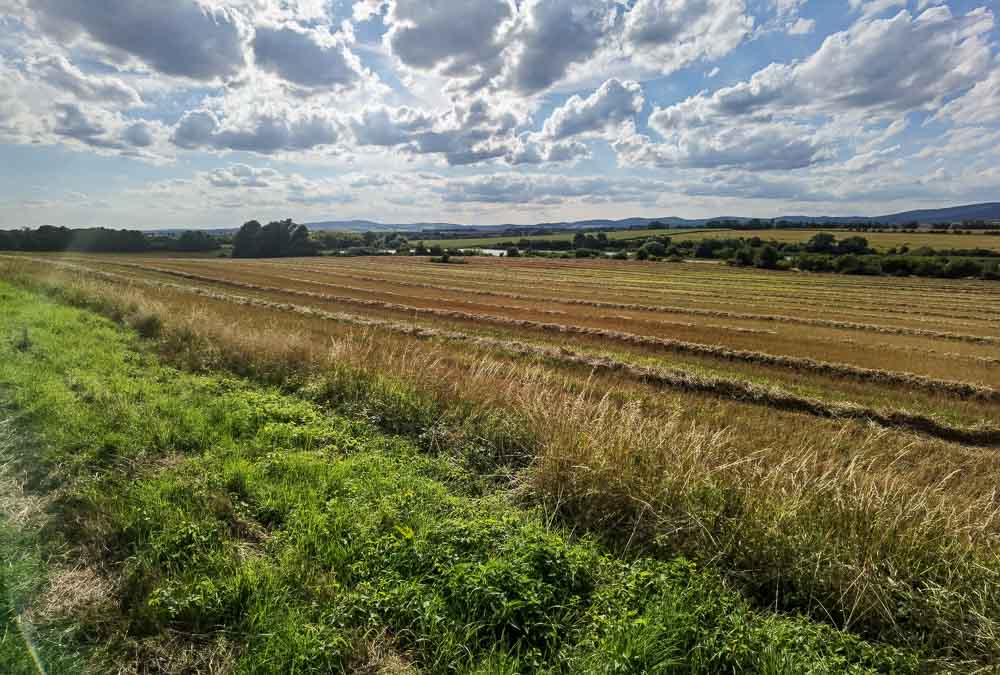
[[208, 113]]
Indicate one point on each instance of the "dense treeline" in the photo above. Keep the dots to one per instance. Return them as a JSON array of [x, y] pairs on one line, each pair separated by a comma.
[[852, 255], [278, 239], [823, 253], [48, 238]]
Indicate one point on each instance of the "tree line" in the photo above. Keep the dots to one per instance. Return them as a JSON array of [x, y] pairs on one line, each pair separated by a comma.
[[49, 238]]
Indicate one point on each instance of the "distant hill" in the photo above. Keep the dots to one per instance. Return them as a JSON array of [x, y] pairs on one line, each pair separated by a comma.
[[954, 214], [988, 211], [372, 226]]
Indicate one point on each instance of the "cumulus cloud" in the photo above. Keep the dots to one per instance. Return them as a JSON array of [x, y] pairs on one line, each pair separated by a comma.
[[554, 35], [468, 133], [241, 176], [262, 133], [457, 39], [530, 46], [139, 135], [57, 71], [540, 188], [100, 129], [608, 107], [307, 58], [767, 146], [769, 121], [387, 127], [184, 38], [920, 61], [669, 34], [530, 149]]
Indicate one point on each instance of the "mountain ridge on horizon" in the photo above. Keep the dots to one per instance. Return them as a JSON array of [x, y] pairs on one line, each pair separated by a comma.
[[980, 211]]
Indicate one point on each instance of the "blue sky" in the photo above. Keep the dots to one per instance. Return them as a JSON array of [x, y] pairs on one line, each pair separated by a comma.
[[206, 113]]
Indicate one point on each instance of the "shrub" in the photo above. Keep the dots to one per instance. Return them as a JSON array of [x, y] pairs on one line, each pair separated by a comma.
[[147, 325], [743, 257], [899, 266], [957, 269], [768, 258], [814, 263], [654, 248]]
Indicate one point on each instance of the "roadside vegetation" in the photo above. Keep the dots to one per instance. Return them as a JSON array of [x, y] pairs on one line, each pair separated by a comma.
[[887, 532]]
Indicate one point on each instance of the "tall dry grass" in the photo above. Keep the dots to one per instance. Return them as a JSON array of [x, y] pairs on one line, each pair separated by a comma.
[[864, 528]]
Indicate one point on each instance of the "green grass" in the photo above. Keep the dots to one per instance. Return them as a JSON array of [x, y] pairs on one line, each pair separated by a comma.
[[252, 529]]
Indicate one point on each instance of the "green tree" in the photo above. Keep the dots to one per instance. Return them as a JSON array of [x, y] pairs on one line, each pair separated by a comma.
[[278, 239], [823, 242], [743, 256], [246, 243], [768, 258], [654, 248]]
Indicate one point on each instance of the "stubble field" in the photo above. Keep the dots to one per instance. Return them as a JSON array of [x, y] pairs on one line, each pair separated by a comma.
[[829, 444]]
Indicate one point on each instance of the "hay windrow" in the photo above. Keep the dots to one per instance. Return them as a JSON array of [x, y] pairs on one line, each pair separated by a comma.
[[935, 385], [673, 379]]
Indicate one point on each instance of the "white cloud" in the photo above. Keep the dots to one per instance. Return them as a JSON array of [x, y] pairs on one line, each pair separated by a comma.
[[897, 64], [872, 7], [666, 35], [981, 105], [461, 40], [802, 26], [774, 121], [312, 59], [264, 133], [540, 188], [57, 71], [184, 38], [607, 108]]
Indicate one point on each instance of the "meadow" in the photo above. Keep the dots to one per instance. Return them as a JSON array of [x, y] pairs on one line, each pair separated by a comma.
[[880, 241], [537, 445]]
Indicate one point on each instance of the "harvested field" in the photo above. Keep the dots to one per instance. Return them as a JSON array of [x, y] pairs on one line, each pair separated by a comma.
[[948, 370], [756, 422]]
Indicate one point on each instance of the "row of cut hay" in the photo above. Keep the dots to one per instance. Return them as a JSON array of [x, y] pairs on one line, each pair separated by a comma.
[[827, 525], [758, 283], [691, 311], [403, 276], [731, 389], [824, 283], [964, 390], [521, 308], [490, 280]]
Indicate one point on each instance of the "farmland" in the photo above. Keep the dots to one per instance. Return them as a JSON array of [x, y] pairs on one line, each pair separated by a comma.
[[881, 241], [824, 447]]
